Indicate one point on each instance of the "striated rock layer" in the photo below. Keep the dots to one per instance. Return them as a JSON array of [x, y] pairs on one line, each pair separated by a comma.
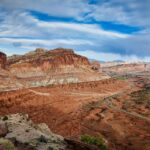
[[42, 67], [124, 68], [51, 59]]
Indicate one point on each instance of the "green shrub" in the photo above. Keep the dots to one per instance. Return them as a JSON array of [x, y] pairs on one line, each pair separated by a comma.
[[6, 144], [27, 130], [5, 118], [142, 96], [42, 139], [97, 141], [50, 85], [121, 78], [52, 148]]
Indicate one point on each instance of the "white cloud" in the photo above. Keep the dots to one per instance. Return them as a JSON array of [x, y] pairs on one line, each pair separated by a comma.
[[60, 8], [22, 24], [52, 42], [17, 23], [130, 12], [134, 13], [87, 28], [105, 12], [112, 56]]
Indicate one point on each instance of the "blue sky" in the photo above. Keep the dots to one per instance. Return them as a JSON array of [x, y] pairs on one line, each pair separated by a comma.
[[99, 29]]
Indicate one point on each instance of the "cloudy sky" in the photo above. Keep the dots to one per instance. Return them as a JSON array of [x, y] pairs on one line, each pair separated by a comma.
[[99, 29]]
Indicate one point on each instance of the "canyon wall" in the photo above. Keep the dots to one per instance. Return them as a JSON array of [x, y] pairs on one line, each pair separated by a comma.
[[43, 67]]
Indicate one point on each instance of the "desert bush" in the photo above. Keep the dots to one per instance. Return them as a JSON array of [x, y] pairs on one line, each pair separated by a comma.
[[42, 139], [97, 141], [121, 78], [6, 144], [5, 118], [50, 85], [142, 96], [52, 148]]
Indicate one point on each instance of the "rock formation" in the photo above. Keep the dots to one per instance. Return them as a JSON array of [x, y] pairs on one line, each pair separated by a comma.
[[18, 132], [96, 65], [125, 68], [3, 59], [48, 67], [53, 58]]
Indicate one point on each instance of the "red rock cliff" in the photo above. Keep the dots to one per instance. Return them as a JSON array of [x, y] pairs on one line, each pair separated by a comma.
[[66, 57], [53, 58]]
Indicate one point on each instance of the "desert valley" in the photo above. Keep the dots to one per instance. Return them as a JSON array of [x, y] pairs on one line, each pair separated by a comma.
[[70, 99]]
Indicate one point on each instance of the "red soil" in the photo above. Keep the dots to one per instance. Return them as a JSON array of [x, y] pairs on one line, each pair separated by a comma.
[[72, 110]]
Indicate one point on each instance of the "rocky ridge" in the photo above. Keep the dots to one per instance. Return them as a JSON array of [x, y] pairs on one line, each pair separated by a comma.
[[126, 69], [48, 67], [51, 59], [18, 132]]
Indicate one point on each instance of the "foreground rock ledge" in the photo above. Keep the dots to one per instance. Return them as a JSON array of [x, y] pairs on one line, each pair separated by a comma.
[[17, 132]]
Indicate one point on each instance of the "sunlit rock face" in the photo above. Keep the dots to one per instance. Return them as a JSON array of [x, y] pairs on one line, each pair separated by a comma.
[[3, 59], [50, 58], [43, 67]]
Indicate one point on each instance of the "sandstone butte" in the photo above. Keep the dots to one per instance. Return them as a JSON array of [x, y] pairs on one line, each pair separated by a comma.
[[53, 58], [49, 67]]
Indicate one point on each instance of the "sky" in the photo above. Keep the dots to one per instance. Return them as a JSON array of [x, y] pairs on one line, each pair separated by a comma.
[[104, 30]]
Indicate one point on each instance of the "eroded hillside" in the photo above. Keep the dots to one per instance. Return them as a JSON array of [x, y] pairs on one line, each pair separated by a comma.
[[47, 67]]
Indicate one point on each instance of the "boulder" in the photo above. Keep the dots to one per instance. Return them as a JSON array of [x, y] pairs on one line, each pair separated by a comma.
[[3, 129]]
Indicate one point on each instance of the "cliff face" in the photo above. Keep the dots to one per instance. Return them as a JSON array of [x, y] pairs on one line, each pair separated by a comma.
[[67, 57], [48, 67], [53, 58], [3, 59]]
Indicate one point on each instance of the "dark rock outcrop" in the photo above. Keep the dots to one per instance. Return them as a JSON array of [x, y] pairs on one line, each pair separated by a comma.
[[95, 65], [3, 59]]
